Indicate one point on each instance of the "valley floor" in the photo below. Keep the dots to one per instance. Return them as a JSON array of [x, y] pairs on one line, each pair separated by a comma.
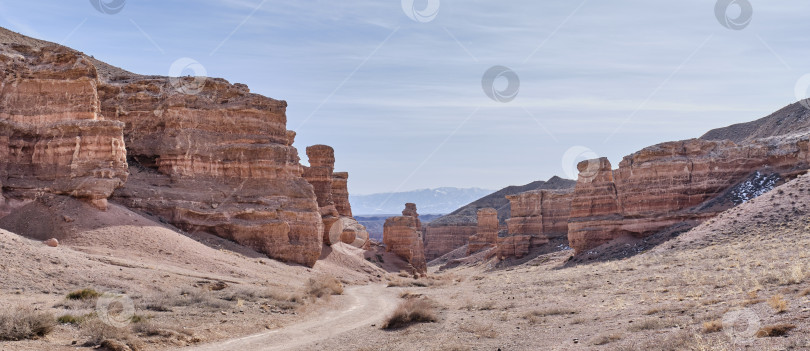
[[715, 287]]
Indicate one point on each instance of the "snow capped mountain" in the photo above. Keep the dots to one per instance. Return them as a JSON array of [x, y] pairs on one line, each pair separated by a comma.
[[428, 201]]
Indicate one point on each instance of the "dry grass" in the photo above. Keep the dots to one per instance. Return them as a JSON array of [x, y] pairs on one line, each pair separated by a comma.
[[605, 339], [409, 312], [21, 323], [323, 286], [775, 330], [712, 326], [97, 332], [73, 319], [405, 283], [653, 324], [778, 303]]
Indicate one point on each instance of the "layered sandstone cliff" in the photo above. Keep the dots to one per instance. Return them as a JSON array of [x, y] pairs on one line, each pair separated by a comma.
[[486, 233], [671, 183], [199, 153], [403, 236], [538, 217], [52, 137]]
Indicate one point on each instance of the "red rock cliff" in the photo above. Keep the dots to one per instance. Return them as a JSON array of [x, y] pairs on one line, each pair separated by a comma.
[[670, 183], [52, 137], [486, 234]]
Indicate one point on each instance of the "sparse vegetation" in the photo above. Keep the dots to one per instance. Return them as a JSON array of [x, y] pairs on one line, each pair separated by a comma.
[[22, 323], [652, 324], [778, 303], [775, 330], [106, 336], [409, 312], [712, 326], [84, 294], [324, 286], [73, 319], [605, 339]]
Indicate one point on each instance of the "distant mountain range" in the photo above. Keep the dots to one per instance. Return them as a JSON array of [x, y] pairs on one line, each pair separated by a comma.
[[428, 201]]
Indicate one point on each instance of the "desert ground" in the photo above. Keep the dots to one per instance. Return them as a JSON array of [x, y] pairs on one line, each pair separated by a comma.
[[712, 288]]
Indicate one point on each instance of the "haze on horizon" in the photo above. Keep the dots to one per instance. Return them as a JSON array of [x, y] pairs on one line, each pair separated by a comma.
[[396, 87]]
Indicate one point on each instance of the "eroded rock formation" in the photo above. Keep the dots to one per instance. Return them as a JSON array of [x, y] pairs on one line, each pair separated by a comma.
[[52, 137], [537, 217], [541, 212], [403, 236], [220, 162], [671, 183], [332, 192], [486, 235], [340, 193]]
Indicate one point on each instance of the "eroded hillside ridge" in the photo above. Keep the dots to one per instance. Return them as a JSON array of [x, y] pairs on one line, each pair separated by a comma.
[[671, 183], [52, 136], [199, 153], [452, 231]]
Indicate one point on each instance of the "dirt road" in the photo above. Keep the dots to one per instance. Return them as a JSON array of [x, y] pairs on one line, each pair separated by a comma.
[[368, 305]]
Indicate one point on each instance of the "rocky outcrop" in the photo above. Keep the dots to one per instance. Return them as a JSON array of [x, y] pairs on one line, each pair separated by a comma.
[[403, 236], [340, 193], [671, 183], [339, 226], [52, 137], [452, 231], [538, 217], [514, 246], [486, 235]]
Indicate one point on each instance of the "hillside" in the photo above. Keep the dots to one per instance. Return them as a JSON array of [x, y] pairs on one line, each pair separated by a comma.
[[498, 201], [429, 201], [791, 119]]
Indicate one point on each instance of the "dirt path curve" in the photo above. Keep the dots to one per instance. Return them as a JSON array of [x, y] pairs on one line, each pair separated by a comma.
[[367, 305]]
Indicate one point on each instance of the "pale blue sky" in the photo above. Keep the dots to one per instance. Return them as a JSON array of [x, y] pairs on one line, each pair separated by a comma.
[[402, 101]]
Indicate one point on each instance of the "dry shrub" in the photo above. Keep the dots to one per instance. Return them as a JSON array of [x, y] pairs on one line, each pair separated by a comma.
[[805, 292], [84, 294], [712, 326], [409, 312], [605, 339], [778, 303], [775, 330], [323, 286], [101, 334], [150, 329], [405, 283], [409, 295], [22, 323]]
